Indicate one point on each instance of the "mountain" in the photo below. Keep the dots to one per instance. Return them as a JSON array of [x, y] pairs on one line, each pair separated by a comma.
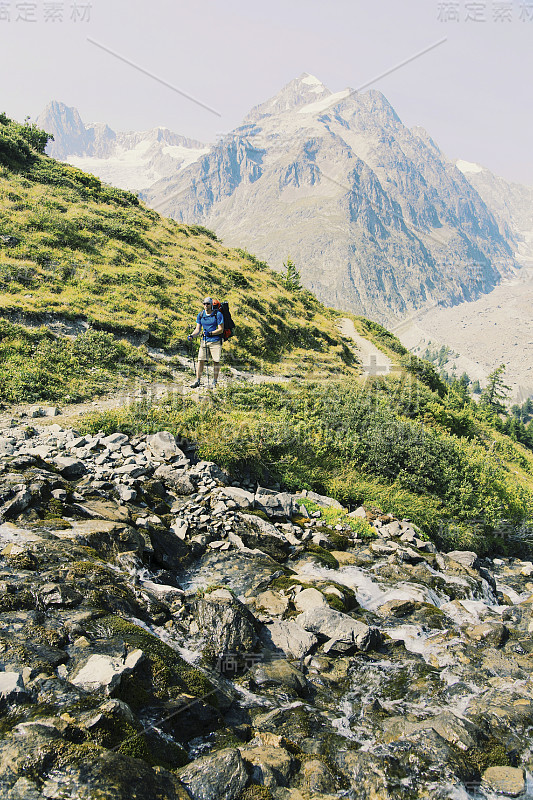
[[510, 203], [376, 218], [130, 160]]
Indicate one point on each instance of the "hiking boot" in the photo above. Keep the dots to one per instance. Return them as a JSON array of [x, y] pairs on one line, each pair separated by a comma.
[[195, 385], [213, 385]]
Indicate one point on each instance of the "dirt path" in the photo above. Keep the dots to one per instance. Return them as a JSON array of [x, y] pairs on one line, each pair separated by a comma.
[[141, 389], [374, 361]]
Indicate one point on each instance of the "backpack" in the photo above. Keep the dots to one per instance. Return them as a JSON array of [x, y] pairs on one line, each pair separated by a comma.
[[229, 325]]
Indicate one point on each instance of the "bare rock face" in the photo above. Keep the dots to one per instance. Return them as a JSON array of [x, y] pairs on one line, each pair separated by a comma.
[[359, 200]]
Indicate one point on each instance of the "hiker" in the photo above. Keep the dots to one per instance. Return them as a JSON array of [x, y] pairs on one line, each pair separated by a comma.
[[210, 326]]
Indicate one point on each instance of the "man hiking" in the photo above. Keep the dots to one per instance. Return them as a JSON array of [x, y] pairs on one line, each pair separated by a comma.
[[210, 326]]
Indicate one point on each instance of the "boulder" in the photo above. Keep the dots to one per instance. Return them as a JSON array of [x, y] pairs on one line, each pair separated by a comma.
[[465, 557], [180, 528], [309, 598], [278, 672], [455, 731], [16, 505], [334, 625], [272, 602], [115, 441], [508, 781], [70, 468], [107, 537], [176, 479], [221, 776], [12, 688], [275, 504], [289, 638], [105, 672], [58, 594], [227, 623], [257, 533], [163, 445], [269, 766], [322, 500], [316, 777], [169, 551], [241, 497], [212, 472]]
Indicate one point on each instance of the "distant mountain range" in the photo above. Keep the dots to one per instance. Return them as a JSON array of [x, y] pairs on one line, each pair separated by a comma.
[[376, 218], [130, 160]]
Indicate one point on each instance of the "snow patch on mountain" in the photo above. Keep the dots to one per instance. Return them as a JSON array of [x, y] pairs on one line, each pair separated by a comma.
[[325, 103], [467, 167]]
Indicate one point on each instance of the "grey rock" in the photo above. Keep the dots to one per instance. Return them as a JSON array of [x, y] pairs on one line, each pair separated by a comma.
[[130, 471], [7, 446], [115, 441], [323, 500], [309, 598], [105, 672], [212, 472], [316, 777], [227, 623], [12, 687], [180, 527], [56, 594], [125, 493], [221, 776], [241, 497], [508, 781], [465, 557], [176, 480], [70, 468], [257, 533], [275, 504], [17, 504], [106, 537], [278, 672], [289, 638], [24, 789], [163, 445], [270, 766], [327, 622]]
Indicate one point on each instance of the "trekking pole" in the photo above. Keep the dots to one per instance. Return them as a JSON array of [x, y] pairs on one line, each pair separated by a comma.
[[191, 353], [206, 361]]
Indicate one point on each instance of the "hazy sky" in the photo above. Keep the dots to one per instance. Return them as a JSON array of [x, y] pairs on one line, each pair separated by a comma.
[[473, 93]]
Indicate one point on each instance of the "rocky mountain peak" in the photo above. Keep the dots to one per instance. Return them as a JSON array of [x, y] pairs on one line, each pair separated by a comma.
[[301, 91], [66, 125]]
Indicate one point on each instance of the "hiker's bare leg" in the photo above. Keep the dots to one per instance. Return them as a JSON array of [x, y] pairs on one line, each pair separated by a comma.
[[200, 369], [216, 370]]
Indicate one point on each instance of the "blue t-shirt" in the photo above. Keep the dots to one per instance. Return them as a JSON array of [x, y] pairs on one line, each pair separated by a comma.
[[210, 322]]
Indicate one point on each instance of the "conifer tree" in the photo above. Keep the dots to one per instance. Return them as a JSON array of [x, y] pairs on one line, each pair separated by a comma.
[[495, 393], [292, 277]]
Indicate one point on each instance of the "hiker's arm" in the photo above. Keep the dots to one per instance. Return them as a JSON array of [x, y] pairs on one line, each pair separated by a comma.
[[196, 331]]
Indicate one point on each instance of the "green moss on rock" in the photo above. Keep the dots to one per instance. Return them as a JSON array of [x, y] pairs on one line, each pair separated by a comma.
[[256, 792], [168, 671], [323, 555]]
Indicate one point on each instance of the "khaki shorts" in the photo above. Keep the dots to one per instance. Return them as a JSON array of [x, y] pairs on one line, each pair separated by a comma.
[[215, 351]]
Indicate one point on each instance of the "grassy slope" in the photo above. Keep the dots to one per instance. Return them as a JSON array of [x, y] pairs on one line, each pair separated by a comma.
[[87, 251]]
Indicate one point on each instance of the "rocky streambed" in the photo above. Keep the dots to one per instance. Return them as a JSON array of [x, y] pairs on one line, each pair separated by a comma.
[[169, 631]]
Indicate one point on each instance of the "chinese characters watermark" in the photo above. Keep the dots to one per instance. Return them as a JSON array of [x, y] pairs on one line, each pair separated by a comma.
[[31, 11], [476, 11]]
